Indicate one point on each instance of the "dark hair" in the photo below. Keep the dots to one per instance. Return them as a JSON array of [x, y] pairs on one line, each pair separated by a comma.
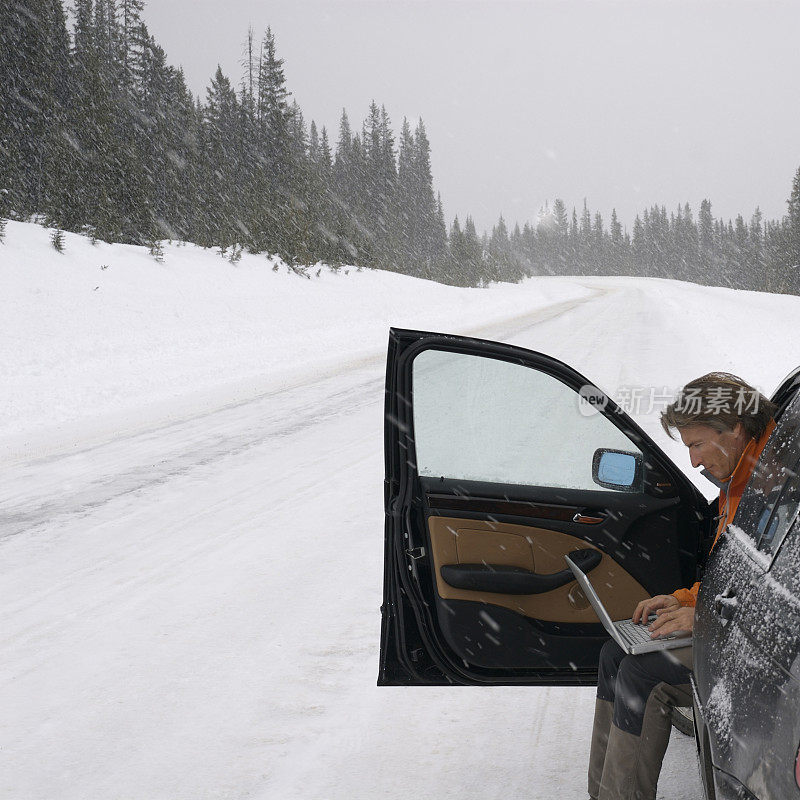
[[721, 401]]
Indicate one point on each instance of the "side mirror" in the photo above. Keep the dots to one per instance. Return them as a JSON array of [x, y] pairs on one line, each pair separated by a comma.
[[617, 469]]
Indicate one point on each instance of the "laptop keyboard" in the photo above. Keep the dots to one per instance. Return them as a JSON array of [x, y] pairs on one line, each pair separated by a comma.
[[633, 634]]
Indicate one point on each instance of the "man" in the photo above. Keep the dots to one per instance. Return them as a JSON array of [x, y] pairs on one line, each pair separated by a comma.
[[725, 423]]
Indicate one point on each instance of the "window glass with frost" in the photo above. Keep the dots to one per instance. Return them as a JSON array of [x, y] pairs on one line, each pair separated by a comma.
[[771, 499], [483, 419]]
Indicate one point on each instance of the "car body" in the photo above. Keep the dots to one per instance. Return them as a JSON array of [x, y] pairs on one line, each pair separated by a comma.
[[500, 461]]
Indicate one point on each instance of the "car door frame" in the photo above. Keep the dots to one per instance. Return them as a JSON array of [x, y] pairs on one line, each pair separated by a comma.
[[409, 653]]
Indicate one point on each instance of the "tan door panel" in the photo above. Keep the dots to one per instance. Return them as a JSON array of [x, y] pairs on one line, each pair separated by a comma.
[[463, 541], [508, 549]]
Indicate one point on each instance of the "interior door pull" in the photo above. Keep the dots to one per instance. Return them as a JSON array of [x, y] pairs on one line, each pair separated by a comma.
[[587, 519], [515, 580]]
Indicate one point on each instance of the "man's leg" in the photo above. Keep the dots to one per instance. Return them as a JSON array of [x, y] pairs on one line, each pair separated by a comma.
[[610, 657], [647, 688]]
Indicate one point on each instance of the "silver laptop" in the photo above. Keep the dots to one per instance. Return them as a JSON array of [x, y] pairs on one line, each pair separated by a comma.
[[633, 639]]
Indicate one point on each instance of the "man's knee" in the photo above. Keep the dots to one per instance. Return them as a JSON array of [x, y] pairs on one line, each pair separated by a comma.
[[634, 684], [610, 657], [668, 696]]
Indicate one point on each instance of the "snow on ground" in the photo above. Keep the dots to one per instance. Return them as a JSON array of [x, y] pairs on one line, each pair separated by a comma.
[[191, 521], [104, 335]]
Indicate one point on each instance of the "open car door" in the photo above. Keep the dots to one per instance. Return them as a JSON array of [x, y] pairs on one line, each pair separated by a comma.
[[499, 462]]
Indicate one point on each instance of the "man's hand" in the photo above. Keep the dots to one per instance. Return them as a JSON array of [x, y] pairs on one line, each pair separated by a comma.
[[671, 621], [650, 606]]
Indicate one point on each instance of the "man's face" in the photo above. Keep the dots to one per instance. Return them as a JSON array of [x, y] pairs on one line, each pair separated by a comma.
[[718, 452]]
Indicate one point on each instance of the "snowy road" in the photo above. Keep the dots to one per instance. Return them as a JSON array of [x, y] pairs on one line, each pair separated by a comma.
[[192, 612], [99, 473]]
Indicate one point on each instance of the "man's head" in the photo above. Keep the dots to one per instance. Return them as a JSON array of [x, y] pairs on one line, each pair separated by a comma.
[[716, 415]]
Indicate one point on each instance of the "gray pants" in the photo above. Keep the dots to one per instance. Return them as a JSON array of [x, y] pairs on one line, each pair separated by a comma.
[[632, 720]]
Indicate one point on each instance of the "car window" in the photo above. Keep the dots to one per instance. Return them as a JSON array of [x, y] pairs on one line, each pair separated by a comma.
[[782, 514], [771, 499], [483, 419], [786, 567]]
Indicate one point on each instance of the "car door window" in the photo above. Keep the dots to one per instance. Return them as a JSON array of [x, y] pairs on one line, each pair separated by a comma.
[[771, 499], [777, 520], [485, 419], [786, 567]]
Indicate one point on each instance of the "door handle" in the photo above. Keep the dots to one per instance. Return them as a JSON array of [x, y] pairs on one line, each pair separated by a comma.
[[725, 606], [587, 519]]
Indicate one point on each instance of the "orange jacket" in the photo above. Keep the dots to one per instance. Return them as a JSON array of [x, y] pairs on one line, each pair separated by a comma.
[[729, 501]]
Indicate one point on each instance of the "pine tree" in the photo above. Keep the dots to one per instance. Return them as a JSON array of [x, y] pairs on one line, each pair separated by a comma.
[[272, 215], [742, 265], [57, 240], [529, 251], [459, 272], [246, 148], [729, 272], [313, 143], [326, 221], [388, 194], [347, 196], [405, 198], [428, 244], [101, 170], [776, 273], [685, 245], [302, 198], [362, 237], [585, 257], [756, 252], [638, 248], [499, 253], [379, 187], [106, 35], [221, 117], [440, 253], [131, 20], [522, 258], [273, 96], [791, 246], [249, 64], [474, 262], [599, 246], [618, 254], [33, 94], [561, 255], [573, 248], [150, 169], [546, 242], [560, 217], [184, 194], [316, 197], [706, 243]]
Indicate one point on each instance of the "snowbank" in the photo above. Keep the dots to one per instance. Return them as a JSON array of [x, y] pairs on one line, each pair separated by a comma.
[[103, 338]]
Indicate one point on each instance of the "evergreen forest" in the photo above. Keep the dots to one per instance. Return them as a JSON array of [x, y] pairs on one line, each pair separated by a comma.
[[100, 135]]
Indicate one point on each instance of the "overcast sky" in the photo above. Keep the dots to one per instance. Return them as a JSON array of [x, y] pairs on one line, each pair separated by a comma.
[[626, 102]]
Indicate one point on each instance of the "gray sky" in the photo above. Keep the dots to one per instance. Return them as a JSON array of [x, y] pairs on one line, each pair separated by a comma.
[[624, 102]]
